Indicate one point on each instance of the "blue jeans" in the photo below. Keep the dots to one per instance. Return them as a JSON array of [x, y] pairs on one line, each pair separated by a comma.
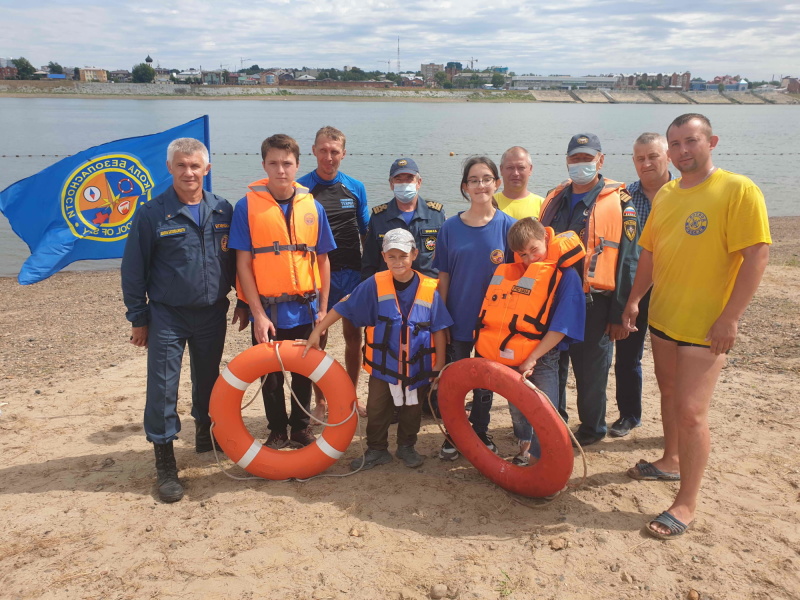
[[479, 416], [628, 366], [591, 361], [545, 377]]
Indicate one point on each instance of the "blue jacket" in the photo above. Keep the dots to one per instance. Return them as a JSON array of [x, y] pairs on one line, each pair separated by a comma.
[[170, 259], [425, 224]]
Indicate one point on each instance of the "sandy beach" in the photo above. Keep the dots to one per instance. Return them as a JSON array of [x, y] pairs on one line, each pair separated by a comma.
[[80, 518]]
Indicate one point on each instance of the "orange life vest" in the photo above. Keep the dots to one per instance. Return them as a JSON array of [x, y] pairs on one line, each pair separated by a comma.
[[516, 310], [602, 235], [284, 256], [385, 355]]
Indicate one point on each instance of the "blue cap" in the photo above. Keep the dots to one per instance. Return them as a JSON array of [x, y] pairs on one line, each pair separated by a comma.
[[403, 165], [584, 143]]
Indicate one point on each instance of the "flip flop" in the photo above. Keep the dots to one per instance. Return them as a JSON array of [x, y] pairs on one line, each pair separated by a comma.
[[647, 471], [676, 528]]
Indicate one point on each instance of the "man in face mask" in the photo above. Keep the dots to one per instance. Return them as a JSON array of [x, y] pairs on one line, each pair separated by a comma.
[[602, 213], [407, 210]]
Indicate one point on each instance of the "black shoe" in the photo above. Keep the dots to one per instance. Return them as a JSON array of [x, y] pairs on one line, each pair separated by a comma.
[[586, 439], [169, 488], [623, 426], [487, 439], [448, 451], [203, 438]]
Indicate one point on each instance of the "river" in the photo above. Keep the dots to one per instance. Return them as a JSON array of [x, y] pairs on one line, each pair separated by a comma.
[[754, 140]]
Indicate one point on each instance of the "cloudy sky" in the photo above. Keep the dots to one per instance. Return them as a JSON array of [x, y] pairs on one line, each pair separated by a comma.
[[753, 38]]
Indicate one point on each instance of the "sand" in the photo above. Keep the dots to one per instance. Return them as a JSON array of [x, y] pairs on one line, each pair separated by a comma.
[[80, 518]]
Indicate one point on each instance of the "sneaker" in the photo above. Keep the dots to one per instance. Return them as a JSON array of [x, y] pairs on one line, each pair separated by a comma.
[[521, 460], [302, 437], [586, 439], [371, 458], [623, 426], [409, 456], [487, 439], [277, 440], [448, 451]]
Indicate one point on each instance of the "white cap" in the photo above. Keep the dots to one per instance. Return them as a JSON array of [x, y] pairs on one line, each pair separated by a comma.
[[399, 239]]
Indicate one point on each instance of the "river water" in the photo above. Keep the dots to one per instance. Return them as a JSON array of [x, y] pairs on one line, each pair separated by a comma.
[[754, 140]]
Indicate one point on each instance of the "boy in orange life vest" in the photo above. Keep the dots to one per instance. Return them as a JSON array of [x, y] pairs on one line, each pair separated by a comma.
[[406, 322], [532, 311], [282, 238]]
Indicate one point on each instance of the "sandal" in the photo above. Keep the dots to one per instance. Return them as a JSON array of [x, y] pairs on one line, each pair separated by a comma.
[[676, 528], [647, 471]]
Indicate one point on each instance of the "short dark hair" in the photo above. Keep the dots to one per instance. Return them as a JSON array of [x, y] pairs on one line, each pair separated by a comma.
[[281, 141], [333, 133], [684, 119], [523, 231], [477, 160]]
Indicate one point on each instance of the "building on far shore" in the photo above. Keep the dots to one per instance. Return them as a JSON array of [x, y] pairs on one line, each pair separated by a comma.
[[93, 74], [429, 72], [724, 83], [563, 82]]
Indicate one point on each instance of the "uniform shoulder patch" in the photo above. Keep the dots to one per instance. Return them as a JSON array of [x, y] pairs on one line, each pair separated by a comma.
[[376, 210], [624, 195], [437, 206]]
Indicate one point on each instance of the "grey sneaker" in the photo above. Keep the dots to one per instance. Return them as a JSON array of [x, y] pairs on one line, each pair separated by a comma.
[[371, 458], [623, 426], [487, 440], [409, 456], [448, 451]]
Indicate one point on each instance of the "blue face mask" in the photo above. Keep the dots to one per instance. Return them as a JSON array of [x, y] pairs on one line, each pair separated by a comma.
[[405, 192], [582, 173]]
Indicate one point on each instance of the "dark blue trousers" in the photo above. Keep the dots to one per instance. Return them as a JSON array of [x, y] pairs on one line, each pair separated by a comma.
[[591, 361], [628, 366], [169, 331]]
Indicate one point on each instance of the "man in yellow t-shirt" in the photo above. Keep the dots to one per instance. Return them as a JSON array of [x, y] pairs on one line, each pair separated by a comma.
[[515, 200], [704, 250]]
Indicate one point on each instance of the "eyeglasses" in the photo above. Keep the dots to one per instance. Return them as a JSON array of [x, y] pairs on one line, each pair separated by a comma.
[[486, 181]]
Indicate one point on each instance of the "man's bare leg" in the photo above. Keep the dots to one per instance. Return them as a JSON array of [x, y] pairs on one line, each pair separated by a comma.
[[696, 373], [352, 356], [665, 357]]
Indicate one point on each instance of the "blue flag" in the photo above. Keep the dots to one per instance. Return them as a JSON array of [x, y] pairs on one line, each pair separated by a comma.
[[82, 207]]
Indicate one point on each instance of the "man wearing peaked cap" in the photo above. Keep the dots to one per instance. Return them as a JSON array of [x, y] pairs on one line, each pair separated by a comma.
[[602, 213], [407, 210]]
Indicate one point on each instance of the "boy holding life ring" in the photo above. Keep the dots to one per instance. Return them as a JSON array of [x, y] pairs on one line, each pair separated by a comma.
[[531, 312], [405, 320]]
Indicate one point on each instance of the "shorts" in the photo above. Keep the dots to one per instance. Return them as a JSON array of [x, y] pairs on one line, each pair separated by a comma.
[[660, 334], [343, 282]]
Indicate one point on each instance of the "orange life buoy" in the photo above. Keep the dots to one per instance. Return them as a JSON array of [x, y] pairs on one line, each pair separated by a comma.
[[242, 448], [544, 478]]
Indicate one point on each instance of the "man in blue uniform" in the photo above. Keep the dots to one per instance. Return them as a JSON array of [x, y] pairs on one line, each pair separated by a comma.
[[345, 202], [652, 166], [407, 210], [176, 275]]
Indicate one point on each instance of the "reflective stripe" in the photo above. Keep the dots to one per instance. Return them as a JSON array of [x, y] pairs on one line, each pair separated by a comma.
[[259, 188], [610, 244], [385, 297], [321, 369], [526, 283], [423, 303], [496, 280], [234, 381], [251, 453], [327, 449]]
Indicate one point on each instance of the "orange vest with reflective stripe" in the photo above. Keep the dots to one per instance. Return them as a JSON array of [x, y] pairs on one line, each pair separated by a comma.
[[602, 235], [516, 310], [385, 355], [284, 256]]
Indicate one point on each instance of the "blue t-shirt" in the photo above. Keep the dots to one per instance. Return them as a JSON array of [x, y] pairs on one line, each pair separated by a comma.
[[290, 314], [470, 256], [196, 212], [569, 309], [361, 308], [575, 199], [407, 216]]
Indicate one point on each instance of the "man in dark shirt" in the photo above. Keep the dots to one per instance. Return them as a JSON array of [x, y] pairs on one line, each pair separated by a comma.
[[345, 202]]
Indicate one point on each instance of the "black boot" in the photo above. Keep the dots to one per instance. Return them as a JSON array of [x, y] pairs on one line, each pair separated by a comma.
[[169, 488], [203, 438]]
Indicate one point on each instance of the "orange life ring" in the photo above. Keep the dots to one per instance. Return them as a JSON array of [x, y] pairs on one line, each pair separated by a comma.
[[544, 478], [242, 448]]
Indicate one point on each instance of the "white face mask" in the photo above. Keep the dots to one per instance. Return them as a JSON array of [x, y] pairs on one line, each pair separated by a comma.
[[405, 192], [582, 173]]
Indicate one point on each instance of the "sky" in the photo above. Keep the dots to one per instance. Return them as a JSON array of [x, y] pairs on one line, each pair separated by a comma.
[[752, 38]]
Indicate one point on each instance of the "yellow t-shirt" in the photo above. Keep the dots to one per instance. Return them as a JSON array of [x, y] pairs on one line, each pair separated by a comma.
[[529, 206], [695, 236]]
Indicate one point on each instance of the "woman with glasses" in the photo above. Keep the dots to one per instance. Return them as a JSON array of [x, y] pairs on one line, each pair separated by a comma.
[[468, 250]]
